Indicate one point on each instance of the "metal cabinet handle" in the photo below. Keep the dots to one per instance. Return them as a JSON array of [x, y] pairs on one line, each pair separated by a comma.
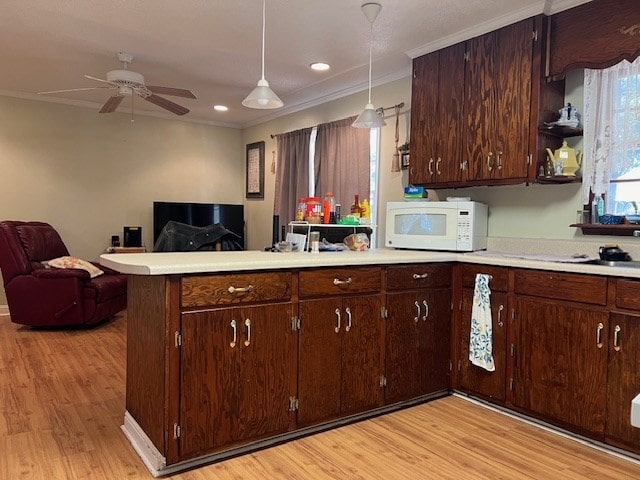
[[337, 329], [430, 165], [426, 310], [499, 152], [489, 162], [247, 323], [240, 290], [616, 340], [418, 312], [599, 343], [235, 334], [438, 166], [348, 327], [337, 281], [500, 308], [420, 276]]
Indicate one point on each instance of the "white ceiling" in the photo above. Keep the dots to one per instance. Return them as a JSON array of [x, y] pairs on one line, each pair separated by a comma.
[[213, 47]]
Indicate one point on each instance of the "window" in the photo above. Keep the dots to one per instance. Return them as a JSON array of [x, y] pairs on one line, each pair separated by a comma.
[[612, 136]]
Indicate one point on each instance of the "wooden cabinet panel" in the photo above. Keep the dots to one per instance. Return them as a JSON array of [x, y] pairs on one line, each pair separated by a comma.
[[406, 277], [564, 286], [339, 357], [561, 368], [475, 379], [225, 289], [338, 281], [628, 294], [623, 382], [235, 381]]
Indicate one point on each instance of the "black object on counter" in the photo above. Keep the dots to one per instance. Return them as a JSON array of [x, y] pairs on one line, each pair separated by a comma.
[[613, 253]]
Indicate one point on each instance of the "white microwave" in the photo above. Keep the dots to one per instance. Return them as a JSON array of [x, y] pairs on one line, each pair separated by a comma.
[[453, 226]]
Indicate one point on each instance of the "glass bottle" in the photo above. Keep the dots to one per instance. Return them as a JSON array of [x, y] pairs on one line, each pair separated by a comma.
[[355, 207]]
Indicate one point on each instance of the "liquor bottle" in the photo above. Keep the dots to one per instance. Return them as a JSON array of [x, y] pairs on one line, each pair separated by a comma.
[[356, 210]]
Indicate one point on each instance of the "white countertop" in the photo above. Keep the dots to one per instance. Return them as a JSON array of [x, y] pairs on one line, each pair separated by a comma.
[[211, 262]]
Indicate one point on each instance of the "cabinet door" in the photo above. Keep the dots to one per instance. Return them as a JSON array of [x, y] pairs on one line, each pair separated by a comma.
[[624, 379], [209, 380], [561, 368], [435, 340], [266, 371], [319, 360], [476, 379], [361, 354], [402, 361]]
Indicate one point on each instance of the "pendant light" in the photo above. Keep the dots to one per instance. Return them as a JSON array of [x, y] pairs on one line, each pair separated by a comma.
[[369, 118], [262, 96]]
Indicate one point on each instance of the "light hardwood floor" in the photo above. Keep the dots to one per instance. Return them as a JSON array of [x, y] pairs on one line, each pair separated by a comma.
[[62, 404]]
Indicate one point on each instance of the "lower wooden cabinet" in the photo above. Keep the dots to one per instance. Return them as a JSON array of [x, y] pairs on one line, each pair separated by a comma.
[[236, 376], [340, 357]]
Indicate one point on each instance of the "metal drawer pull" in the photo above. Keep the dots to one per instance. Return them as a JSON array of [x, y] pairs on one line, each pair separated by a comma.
[[426, 310], [438, 166], [418, 313], [247, 342], [499, 160], [420, 276], [500, 308], [348, 327], [616, 340], [430, 166], [240, 290], [337, 281], [599, 335], [337, 329], [235, 334], [489, 162]]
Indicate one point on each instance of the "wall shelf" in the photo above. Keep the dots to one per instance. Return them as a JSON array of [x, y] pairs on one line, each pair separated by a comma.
[[622, 230], [560, 131]]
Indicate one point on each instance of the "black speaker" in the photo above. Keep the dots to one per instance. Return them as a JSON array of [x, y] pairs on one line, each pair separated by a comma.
[[132, 237]]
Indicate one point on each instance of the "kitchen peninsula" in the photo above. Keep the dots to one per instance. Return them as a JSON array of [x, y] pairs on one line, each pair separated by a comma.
[[233, 351]]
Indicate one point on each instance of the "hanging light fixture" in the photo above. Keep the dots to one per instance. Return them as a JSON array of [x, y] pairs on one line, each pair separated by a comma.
[[262, 96], [369, 118]]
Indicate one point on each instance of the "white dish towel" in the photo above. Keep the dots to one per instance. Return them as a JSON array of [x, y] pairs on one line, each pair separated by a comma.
[[481, 338]]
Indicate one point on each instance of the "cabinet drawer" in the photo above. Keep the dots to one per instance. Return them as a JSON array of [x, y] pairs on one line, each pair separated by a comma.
[[499, 276], [419, 275], [225, 289], [628, 294], [563, 286], [336, 281]]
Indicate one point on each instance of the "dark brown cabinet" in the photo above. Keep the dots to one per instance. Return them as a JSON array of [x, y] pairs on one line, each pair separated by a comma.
[[236, 376], [340, 344], [471, 378], [497, 104], [418, 329], [436, 117]]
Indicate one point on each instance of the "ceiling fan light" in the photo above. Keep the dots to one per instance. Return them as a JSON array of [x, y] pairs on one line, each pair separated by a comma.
[[262, 97], [369, 118]]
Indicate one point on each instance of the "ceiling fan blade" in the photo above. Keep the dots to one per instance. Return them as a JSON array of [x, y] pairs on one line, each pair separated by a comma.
[[176, 92], [167, 104], [72, 90], [101, 80], [111, 104]]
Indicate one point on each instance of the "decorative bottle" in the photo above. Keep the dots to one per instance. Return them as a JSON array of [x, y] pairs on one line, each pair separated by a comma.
[[356, 210]]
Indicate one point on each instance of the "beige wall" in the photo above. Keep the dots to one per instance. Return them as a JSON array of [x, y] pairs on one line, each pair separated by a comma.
[[89, 174]]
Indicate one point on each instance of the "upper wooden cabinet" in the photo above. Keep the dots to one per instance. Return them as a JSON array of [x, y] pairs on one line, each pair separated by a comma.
[[474, 114], [436, 116], [597, 34]]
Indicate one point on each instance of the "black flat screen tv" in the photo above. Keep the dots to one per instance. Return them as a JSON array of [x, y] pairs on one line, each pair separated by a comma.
[[199, 215]]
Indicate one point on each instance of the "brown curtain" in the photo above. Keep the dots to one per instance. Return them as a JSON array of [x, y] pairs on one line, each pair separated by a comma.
[[342, 162], [292, 172]]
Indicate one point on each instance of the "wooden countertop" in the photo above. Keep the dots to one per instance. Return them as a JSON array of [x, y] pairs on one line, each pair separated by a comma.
[[212, 262]]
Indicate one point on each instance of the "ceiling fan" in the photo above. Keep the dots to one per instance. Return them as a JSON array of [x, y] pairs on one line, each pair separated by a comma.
[[128, 82]]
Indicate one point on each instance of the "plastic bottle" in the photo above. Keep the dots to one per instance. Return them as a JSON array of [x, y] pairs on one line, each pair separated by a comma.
[[329, 207], [365, 211], [301, 209]]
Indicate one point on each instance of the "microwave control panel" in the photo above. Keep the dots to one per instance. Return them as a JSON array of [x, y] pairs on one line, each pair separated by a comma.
[[464, 239]]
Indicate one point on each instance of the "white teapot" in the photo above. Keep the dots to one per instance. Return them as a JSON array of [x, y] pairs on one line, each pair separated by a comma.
[[568, 116]]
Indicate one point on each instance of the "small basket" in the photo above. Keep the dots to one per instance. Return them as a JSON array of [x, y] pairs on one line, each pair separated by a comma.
[[611, 219]]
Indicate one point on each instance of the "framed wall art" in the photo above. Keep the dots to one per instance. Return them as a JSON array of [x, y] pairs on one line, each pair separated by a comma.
[[255, 170]]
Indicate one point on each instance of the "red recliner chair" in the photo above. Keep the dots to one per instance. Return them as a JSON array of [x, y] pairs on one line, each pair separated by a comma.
[[45, 297]]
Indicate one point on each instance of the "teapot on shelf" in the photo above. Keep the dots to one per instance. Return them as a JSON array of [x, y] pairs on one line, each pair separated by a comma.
[[566, 160]]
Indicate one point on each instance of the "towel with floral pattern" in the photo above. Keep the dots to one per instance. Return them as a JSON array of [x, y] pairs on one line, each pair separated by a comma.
[[481, 338]]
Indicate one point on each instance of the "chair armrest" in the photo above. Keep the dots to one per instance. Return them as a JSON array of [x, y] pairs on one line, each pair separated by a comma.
[[61, 273]]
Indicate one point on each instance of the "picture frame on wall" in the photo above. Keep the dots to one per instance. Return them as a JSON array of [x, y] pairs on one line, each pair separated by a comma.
[[404, 160], [255, 170]]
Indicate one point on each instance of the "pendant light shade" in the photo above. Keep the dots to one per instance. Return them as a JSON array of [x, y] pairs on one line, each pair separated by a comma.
[[262, 96], [370, 118]]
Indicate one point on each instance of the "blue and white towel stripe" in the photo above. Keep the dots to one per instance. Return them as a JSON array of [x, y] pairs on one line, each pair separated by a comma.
[[481, 338]]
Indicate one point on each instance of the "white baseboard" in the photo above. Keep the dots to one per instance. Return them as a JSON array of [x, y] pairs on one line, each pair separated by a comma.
[[4, 310]]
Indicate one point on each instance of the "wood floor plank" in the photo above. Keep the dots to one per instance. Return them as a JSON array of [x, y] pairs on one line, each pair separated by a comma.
[[62, 404]]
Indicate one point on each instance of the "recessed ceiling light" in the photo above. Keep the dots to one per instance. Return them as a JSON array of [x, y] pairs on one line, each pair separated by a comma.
[[220, 108], [320, 66]]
